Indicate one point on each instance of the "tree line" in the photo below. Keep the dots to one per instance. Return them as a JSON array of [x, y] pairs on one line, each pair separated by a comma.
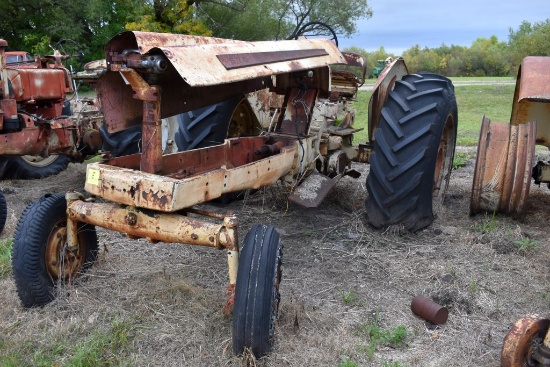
[[39, 26], [485, 57]]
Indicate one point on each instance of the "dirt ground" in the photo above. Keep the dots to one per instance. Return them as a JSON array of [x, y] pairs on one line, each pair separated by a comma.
[[339, 277]]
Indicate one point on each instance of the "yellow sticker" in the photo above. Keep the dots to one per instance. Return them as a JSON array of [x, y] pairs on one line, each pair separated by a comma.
[[93, 176]]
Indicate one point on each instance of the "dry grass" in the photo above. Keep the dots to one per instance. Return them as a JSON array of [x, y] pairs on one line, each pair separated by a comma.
[[170, 297]]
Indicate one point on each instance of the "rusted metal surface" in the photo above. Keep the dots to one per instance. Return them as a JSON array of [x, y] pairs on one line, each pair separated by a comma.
[[164, 227], [502, 175], [242, 60], [144, 41], [32, 116], [532, 96], [429, 310], [38, 141], [363, 153], [521, 342], [444, 159], [205, 174], [313, 190], [194, 74], [39, 84], [357, 61], [297, 112], [384, 84]]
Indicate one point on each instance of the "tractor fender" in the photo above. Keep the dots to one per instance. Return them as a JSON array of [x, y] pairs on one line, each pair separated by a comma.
[[384, 84], [532, 96]]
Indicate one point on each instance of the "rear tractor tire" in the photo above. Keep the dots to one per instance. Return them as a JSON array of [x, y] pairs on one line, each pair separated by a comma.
[[411, 162], [33, 167], [41, 260]]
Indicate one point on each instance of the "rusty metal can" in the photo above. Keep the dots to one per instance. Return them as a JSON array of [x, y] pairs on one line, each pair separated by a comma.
[[429, 310]]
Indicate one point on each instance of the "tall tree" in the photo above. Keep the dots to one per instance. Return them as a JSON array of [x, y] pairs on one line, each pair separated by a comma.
[[168, 16], [35, 25], [530, 39], [279, 19]]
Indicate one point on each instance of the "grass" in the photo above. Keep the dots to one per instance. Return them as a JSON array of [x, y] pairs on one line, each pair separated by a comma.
[[98, 348], [5, 257], [489, 224], [460, 159], [474, 101], [376, 335], [526, 245], [347, 297]]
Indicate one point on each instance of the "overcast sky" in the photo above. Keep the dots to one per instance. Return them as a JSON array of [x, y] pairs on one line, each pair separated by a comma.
[[400, 24]]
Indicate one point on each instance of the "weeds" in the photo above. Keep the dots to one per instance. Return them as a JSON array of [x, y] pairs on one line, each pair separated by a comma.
[[377, 335], [460, 159], [348, 297], [526, 245], [5, 257], [347, 363], [473, 286], [391, 364], [100, 348], [489, 224]]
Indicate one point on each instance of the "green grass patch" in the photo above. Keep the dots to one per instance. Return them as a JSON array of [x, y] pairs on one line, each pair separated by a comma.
[[484, 79], [460, 159], [474, 101], [5, 257], [376, 336], [99, 348]]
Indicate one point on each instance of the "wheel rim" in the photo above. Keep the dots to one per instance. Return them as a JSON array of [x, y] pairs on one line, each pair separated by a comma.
[[37, 161], [502, 175], [444, 160], [522, 340], [243, 122], [61, 262]]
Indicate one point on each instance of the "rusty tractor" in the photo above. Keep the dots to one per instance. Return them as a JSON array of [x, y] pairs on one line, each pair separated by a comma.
[[288, 121], [39, 135], [503, 174]]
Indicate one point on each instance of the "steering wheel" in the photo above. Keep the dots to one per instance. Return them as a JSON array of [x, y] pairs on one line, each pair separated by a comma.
[[317, 30], [66, 49]]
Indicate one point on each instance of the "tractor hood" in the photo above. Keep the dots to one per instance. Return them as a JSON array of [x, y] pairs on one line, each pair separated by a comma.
[[194, 72]]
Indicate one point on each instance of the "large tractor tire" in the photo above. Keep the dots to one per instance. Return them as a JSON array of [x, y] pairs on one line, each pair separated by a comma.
[[411, 161], [3, 211], [206, 126], [199, 128], [121, 143], [257, 291], [32, 167], [41, 260]]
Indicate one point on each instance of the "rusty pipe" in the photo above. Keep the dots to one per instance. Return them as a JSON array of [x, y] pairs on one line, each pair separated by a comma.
[[152, 225]]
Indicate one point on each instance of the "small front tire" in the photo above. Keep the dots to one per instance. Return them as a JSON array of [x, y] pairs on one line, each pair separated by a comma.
[[257, 291], [40, 257]]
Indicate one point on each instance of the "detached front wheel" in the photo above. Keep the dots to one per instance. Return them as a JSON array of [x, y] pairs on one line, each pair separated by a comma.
[[411, 162], [41, 259], [257, 291]]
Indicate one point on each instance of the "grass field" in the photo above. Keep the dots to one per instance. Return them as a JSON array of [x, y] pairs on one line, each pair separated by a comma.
[[489, 98]]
